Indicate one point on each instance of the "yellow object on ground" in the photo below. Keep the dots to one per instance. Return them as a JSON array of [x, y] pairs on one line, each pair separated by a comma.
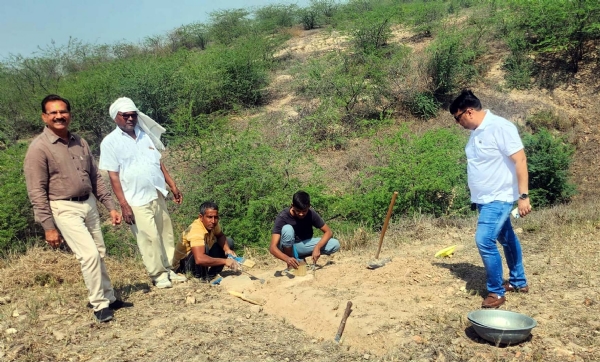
[[248, 263], [446, 252], [250, 298]]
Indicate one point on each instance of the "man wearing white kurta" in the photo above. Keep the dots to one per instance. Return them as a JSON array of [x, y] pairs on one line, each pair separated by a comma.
[[131, 156]]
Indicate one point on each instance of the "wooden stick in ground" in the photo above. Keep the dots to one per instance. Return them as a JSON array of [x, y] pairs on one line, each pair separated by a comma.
[[338, 336], [386, 222]]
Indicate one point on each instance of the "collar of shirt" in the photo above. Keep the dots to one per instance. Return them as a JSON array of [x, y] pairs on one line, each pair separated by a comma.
[[485, 121], [137, 130], [52, 137]]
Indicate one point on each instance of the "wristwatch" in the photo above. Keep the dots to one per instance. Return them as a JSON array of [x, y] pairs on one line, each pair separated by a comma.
[[523, 196]]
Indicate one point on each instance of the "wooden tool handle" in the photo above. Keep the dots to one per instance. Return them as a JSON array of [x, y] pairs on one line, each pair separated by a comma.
[[386, 222], [338, 336]]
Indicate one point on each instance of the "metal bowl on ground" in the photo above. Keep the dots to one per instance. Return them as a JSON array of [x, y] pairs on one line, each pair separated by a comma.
[[501, 326]]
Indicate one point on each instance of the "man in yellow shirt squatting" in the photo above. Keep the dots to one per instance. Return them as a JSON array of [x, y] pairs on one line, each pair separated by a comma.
[[203, 249]]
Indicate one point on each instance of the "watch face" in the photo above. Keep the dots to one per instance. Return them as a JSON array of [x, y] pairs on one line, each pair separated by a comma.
[[523, 196]]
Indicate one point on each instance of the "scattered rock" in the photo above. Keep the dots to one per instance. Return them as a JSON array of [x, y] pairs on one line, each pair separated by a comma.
[[10, 331], [248, 316], [519, 231], [4, 300], [190, 300], [367, 356], [59, 336], [256, 309], [15, 313], [417, 339]]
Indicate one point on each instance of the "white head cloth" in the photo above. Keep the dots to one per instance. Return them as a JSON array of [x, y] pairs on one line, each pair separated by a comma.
[[147, 124]]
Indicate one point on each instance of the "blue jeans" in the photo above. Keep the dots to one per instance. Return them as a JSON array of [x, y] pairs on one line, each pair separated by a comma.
[[494, 225], [305, 248]]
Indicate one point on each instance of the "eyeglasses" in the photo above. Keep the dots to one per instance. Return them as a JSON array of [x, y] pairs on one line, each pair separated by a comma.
[[126, 116], [56, 113], [457, 118]]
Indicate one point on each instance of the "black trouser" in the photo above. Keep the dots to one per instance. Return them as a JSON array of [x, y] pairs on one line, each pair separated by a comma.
[[188, 264]]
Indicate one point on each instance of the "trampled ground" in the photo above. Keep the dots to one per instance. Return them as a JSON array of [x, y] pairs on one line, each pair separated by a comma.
[[414, 308]]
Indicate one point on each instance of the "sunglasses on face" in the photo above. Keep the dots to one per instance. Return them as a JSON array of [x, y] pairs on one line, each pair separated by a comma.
[[126, 116], [457, 117]]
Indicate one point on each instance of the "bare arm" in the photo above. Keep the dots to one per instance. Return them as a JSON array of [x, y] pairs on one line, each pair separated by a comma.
[[200, 258], [520, 161], [126, 210], [177, 196], [327, 234], [274, 250]]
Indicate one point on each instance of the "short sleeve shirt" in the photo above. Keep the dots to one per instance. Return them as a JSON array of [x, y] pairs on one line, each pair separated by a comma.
[[303, 228], [492, 175], [195, 235], [138, 163]]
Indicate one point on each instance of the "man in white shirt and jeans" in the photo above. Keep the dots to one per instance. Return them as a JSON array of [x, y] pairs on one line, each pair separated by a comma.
[[131, 156], [497, 177]]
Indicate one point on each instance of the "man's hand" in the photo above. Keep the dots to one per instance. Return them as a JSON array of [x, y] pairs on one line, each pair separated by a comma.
[[232, 264], [316, 254], [127, 214], [292, 262], [53, 238], [524, 207], [115, 217], [177, 196]]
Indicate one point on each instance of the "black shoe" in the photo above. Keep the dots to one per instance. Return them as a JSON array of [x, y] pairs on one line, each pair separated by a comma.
[[118, 304], [104, 315]]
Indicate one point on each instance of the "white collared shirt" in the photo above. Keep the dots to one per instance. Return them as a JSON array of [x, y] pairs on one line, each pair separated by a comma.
[[491, 172], [138, 163]]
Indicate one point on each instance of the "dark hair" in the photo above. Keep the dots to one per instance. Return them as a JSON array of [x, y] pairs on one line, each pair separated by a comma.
[[301, 200], [52, 98], [465, 100], [208, 205]]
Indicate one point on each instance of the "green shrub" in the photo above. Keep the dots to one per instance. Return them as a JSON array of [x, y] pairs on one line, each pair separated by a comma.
[[426, 15], [547, 120], [228, 25], [428, 171], [308, 17], [249, 180], [562, 28], [518, 65], [372, 32], [451, 63], [357, 84], [423, 105], [548, 160], [270, 18], [16, 215]]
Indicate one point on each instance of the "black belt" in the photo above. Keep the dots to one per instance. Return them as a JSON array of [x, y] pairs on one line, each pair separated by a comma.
[[78, 198]]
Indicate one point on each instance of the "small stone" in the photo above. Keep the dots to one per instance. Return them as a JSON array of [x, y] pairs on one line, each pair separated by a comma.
[[366, 356], [15, 313], [190, 300], [58, 335], [4, 300], [10, 331], [256, 309], [417, 339], [519, 231], [248, 316]]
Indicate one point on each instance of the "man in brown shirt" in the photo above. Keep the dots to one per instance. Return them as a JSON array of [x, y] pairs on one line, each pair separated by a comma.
[[63, 184]]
